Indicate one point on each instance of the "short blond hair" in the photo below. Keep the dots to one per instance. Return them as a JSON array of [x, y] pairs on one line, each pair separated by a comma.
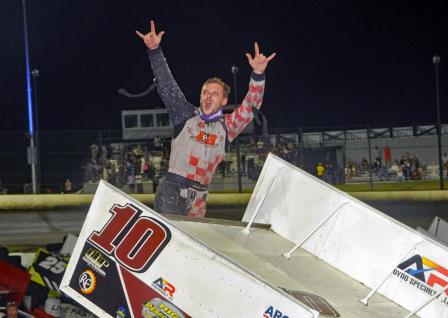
[[217, 80]]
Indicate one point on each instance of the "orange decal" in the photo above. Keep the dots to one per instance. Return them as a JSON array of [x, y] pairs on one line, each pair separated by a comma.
[[208, 139]]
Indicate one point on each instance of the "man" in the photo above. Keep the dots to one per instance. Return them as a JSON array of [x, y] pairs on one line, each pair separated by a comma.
[[320, 171], [68, 186], [387, 156], [201, 135], [11, 310], [377, 156]]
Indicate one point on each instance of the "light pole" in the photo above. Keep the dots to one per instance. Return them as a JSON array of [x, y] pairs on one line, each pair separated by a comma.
[[436, 61], [31, 151], [35, 73], [370, 159]]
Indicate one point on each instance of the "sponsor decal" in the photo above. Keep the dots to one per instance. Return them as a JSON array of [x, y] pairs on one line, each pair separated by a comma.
[[134, 241], [128, 243], [156, 307], [272, 312], [87, 282], [145, 301], [68, 310], [164, 287], [47, 270], [423, 274], [121, 312], [96, 261], [206, 139]]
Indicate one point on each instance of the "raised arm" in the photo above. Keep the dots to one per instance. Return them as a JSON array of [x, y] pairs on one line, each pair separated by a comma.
[[238, 120], [170, 93]]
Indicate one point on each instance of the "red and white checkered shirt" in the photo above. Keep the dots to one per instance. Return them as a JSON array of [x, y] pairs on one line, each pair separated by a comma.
[[200, 147]]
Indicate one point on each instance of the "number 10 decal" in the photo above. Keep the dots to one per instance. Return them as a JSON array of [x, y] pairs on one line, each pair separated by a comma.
[[135, 241]]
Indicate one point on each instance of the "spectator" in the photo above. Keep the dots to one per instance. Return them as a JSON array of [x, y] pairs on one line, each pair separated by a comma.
[[105, 174], [445, 162], [329, 172], [145, 161], [92, 171], [339, 175], [228, 165], [377, 156], [405, 167], [446, 167], [12, 310], [139, 183], [104, 155], [139, 171], [351, 169], [400, 176], [320, 171], [420, 172], [68, 186], [250, 158], [348, 172], [382, 173], [94, 151], [415, 167], [130, 171], [3, 190], [243, 165], [364, 164], [395, 168], [387, 156], [260, 147]]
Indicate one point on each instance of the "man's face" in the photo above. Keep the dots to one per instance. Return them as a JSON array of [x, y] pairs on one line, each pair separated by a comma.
[[11, 312], [212, 98]]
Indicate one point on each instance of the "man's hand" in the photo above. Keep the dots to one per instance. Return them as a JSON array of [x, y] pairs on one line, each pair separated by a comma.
[[259, 62], [152, 39]]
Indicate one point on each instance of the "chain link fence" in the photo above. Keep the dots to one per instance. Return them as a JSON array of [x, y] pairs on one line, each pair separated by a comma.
[[364, 158]]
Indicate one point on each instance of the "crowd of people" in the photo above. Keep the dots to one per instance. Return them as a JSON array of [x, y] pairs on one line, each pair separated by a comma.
[[254, 156], [408, 167], [122, 164], [288, 151], [330, 172]]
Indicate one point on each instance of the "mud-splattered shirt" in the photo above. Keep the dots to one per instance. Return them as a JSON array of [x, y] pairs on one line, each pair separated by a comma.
[[198, 147]]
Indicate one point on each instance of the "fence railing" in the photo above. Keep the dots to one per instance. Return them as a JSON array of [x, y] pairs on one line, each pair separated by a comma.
[[68, 160]]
